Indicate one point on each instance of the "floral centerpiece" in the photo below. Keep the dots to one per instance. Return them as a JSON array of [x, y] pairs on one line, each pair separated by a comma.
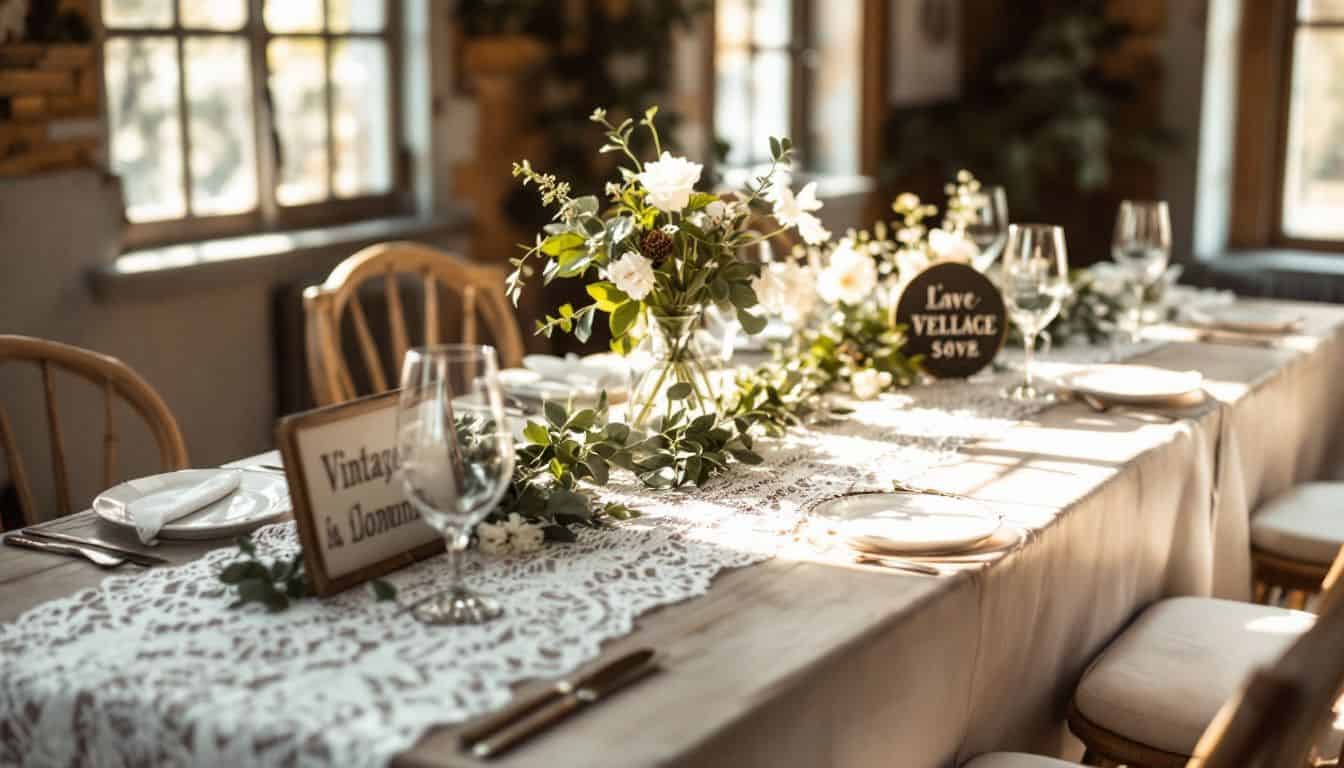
[[656, 252], [854, 344]]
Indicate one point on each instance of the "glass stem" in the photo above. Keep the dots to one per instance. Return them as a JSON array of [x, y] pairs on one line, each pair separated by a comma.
[[1138, 313], [457, 542], [1030, 345]]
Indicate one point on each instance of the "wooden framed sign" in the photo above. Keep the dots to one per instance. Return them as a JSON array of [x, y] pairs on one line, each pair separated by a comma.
[[954, 316], [354, 520]]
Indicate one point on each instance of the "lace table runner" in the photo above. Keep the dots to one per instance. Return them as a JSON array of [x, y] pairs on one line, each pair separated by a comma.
[[153, 668]]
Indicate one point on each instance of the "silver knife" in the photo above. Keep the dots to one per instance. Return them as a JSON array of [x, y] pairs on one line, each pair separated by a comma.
[[139, 558], [597, 687], [523, 707]]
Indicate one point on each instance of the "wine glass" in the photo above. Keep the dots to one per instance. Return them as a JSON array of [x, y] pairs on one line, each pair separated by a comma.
[[456, 452], [1035, 281], [986, 223], [1142, 246]]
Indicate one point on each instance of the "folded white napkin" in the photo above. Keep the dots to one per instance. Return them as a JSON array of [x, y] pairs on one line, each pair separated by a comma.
[[153, 511]]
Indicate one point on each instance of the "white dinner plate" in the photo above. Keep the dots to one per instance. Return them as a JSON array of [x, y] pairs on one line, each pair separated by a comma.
[[909, 523], [1245, 319], [262, 497], [1134, 383]]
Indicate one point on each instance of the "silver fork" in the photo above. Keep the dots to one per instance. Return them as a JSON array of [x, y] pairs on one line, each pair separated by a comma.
[[100, 559]]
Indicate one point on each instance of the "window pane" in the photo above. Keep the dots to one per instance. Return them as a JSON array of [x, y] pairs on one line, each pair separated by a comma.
[[214, 14], [1313, 194], [772, 23], [138, 13], [297, 80], [145, 137], [835, 80], [294, 15], [770, 100], [1321, 10], [219, 124], [732, 22], [356, 15], [732, 121], [360, 103]]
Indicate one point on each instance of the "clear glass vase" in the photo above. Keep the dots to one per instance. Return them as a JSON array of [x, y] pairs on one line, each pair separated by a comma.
[[670, 354]]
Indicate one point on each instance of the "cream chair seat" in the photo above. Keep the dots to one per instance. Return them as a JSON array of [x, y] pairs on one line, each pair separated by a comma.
[[1205, 683], [1294, 536], [1306, 523], [1165, 677]]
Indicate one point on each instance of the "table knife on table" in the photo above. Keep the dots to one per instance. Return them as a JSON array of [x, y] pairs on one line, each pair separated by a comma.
[[528, 719]]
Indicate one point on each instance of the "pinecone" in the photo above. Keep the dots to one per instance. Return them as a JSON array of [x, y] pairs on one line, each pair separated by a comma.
[[657, 246]]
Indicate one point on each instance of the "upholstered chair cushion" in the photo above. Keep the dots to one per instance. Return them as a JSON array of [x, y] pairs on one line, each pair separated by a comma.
[[1306, 523], [1164, 678]]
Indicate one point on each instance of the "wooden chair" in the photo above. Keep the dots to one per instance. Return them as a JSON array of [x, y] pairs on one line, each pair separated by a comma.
[[117, 381], [1146, 700], [1293, 538], [480, 288], [1277, 718]]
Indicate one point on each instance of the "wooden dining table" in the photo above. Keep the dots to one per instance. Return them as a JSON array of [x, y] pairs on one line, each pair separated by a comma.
[[800, 661]]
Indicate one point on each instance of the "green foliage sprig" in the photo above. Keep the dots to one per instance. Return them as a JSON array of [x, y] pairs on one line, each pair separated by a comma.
[[278, 583], [854, 338], [558, 453]]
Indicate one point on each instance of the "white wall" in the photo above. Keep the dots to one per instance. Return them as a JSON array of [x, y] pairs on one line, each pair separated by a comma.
[[209, 354]]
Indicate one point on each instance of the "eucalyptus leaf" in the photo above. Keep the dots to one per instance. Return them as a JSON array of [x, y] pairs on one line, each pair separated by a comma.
[[555, 413], [537, 434], [679, 391], [623, 317], [751, 324], [558, 244]]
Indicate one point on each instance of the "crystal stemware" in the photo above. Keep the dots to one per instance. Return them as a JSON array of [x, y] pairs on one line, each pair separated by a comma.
[[986, 223], [456, 452], [1142, 246], [1035, 281]]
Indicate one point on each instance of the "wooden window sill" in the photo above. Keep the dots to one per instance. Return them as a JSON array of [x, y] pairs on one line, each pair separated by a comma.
[[273, 257]]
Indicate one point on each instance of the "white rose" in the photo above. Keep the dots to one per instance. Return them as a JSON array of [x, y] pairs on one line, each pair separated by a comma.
[[849, 277], [949, 247], [670, 182], [869, 383], [632, 274]]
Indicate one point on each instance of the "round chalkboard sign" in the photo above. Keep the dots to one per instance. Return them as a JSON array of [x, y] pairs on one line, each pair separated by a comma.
[[953, 316]]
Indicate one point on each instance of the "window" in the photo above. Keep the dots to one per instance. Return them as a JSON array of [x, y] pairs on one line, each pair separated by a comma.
[[789, 68], [1312, 205], [230, 116]]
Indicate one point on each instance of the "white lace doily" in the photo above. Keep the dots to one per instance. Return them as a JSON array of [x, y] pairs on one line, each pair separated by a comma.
[[153, 668]]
